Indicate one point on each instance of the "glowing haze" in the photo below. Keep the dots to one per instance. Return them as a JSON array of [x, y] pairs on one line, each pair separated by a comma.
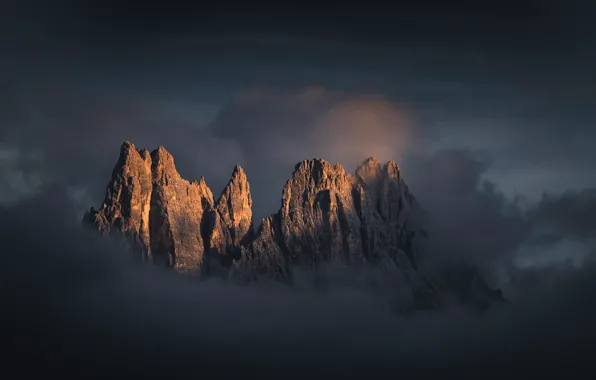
[[315, 122]]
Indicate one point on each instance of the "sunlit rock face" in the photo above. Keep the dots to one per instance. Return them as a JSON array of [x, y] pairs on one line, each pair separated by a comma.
[[127, 201], [328, 218], [177, 211], [161, 212], [229, 223], [328, 215]]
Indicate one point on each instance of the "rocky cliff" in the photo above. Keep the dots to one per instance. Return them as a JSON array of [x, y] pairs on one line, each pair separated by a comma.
[[162, 213], [327, 216], [330, 216]]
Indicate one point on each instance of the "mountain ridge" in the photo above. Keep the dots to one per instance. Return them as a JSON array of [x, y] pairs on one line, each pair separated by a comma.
[[327, 216]]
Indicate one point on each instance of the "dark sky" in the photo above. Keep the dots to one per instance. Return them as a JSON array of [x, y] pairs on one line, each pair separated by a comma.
[[513, 78], [488, 107]]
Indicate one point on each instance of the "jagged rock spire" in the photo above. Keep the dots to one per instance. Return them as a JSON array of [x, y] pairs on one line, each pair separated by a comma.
[[177, 211], [230, 221], [369, 170], [235, 207], [127, 201]]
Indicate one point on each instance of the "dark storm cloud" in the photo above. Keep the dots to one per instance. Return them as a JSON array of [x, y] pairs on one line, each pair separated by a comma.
[[470, 218], [563, 228], [512, 78], [73, 302], [516, 245]]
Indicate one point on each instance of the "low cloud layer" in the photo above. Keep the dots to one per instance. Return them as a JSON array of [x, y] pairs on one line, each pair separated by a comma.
[[74, 302]]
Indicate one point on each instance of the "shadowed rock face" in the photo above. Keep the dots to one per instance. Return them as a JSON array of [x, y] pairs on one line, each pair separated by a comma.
[[327, 216], [390, 205]]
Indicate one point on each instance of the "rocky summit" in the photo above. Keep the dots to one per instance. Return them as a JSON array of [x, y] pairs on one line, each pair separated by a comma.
[[327, 216]]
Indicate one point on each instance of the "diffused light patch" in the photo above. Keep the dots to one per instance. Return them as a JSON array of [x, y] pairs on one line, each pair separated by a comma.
[[354, 129], [315, 122]]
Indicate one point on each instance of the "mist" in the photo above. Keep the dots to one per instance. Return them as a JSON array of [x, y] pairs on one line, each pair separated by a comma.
[[74, 301]]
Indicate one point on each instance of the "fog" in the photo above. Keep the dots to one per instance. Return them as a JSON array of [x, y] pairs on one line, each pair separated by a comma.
[[73, 301]]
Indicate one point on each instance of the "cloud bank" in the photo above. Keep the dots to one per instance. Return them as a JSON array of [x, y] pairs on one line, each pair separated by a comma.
[[73, 301]]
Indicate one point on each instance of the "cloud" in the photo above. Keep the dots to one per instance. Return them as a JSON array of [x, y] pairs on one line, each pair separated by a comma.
[[77, 130], [541, 250], [20, 175], [316, 122], [74, 301], [277, 128], [470, 219]]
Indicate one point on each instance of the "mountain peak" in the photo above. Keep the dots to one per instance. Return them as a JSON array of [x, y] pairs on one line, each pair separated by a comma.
[[127, 145], [370, 161], [161, 154], [231, 220], [238, 173], [369, 170], [126, 203], [128, 152], [391, 169], [163, 164]]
